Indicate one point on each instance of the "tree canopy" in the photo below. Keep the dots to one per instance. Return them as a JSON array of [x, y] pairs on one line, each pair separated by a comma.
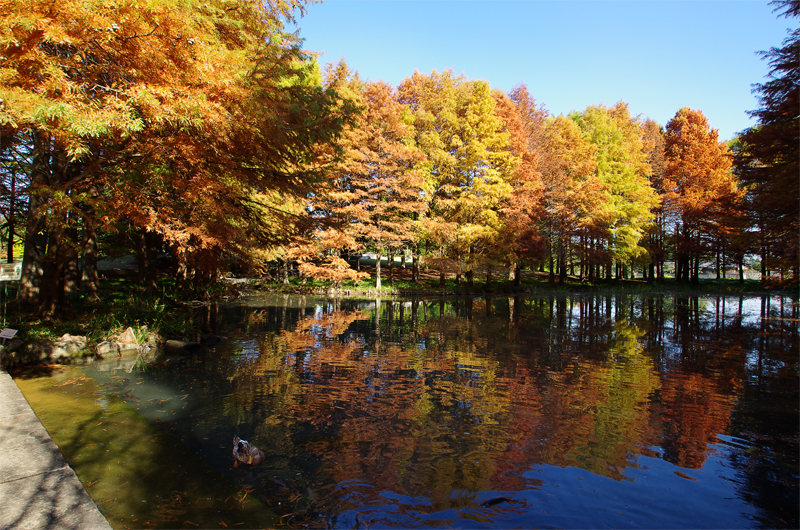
[[173, 116]]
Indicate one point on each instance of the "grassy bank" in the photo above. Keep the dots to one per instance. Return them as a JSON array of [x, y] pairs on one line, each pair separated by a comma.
[[122, 303]]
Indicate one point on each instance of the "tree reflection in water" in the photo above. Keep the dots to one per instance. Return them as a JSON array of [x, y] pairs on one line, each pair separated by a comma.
[[391, 412]]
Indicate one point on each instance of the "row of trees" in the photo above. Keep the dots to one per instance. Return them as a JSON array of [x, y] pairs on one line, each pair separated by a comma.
[[203, 130], [446, 167]]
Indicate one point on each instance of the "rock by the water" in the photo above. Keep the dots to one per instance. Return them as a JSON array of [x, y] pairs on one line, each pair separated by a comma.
[[64, 350], [181, 346], [107, 348], [127, 337]]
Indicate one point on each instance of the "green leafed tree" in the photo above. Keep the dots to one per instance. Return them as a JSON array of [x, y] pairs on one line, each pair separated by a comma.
[[625, 213], [468, 165]]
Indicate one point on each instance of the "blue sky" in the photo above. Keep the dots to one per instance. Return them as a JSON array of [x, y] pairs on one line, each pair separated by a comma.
[[658, 56]]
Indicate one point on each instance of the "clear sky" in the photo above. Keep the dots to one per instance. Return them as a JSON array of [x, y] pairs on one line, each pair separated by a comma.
[[657, 56]]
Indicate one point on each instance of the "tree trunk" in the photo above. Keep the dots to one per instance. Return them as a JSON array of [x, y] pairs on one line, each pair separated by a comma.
[[441, 268], [378, 269], [51, 292], [391, 267], [35, 238], [31, 265], [181, 270], [141, 256], [71, 269], [152, 246], [11, 218], [415, 263], [90, 280], [471, 267]]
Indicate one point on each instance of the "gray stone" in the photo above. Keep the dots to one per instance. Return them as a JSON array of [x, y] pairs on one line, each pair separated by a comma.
[[71, 343], [52, 501], [107, 348], [181, 346], [18, 439], [64, 350]]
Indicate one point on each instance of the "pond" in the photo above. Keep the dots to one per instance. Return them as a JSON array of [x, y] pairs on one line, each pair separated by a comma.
[[573, 411]]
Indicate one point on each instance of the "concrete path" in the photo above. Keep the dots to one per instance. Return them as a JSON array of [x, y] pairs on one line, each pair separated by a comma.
[[38, 489]]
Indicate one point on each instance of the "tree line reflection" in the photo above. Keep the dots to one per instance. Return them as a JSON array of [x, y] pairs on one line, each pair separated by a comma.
[[426, 397]]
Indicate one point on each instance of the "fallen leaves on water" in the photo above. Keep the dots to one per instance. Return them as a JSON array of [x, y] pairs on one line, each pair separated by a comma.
[[72, 381]]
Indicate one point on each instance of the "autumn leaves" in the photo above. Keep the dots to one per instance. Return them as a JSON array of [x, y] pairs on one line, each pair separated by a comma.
[[465, 175]]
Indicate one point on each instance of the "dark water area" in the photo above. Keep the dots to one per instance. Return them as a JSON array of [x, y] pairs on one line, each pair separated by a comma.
[[571, 412]]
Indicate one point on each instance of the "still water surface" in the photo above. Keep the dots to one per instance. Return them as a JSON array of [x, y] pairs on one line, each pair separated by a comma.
[[572, 412]]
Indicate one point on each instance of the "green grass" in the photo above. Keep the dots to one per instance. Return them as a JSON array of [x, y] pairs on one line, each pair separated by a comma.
[[122, 303]]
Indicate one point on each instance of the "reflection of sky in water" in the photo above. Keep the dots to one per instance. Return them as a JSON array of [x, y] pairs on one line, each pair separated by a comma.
[[250, 351], [570, 497]]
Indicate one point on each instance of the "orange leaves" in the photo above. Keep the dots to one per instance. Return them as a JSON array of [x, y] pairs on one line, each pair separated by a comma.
[[698, 177], [697, 164], [373, 191]]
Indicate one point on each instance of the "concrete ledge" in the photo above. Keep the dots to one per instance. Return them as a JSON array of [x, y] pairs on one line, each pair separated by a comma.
[[38, 489]]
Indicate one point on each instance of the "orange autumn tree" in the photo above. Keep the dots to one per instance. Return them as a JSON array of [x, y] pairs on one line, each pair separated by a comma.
[[524, 210], [172, 116], [572, 190], [655, 240], [374, 195], [698, 183]]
